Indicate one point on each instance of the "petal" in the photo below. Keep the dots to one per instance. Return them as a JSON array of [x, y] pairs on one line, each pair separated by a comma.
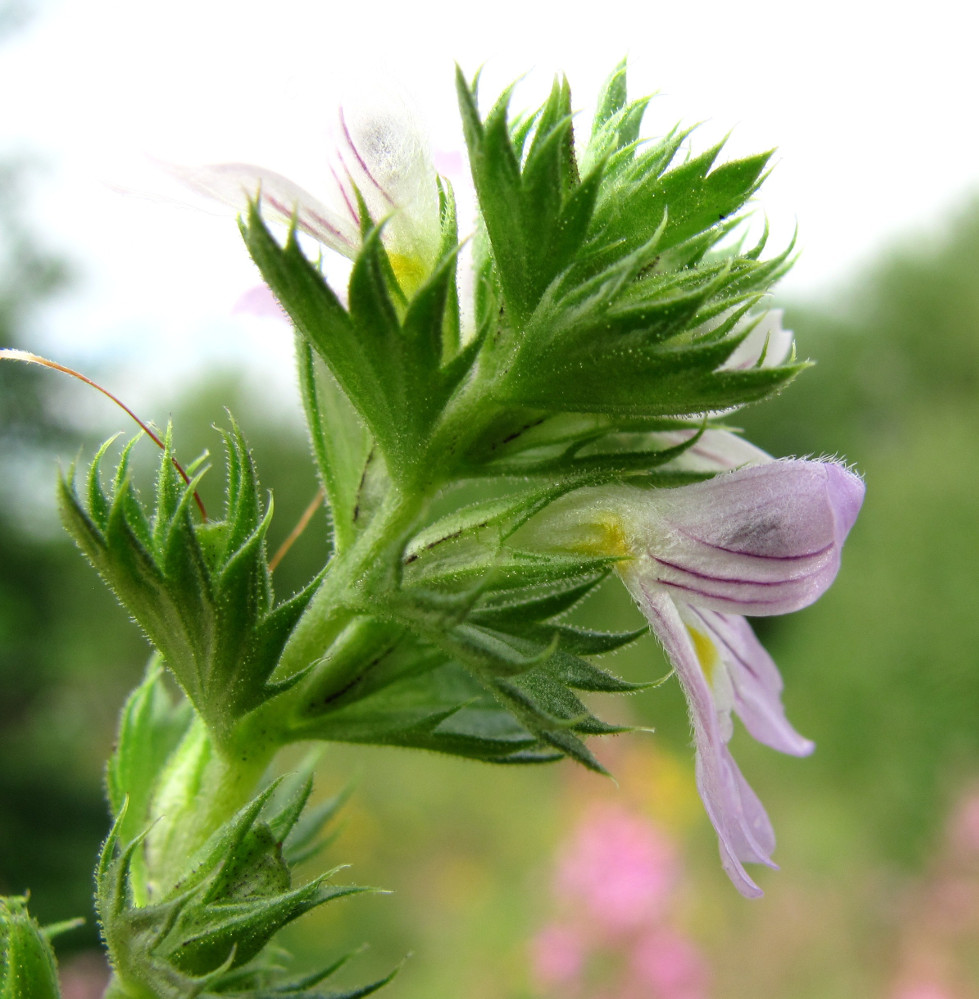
[[743, 830], [259, 301], [236, 184], [766, 346], [384, 153], [755, 681], [715, 451], [760, 540]]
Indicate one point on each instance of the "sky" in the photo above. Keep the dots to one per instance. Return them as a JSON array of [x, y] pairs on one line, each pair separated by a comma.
[[870, 107]]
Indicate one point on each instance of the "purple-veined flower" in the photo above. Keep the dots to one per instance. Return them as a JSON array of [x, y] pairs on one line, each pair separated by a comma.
[[759, 540], [382, 154]]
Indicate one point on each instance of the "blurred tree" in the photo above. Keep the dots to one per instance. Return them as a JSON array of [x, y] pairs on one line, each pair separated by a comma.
[[45, 813], [68, 653]]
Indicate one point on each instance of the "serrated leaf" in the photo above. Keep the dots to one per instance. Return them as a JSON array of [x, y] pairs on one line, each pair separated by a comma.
[[536, 212], [201, 591], [326, 326], [207, 936], [579, 674], [583, 641], [536, 604]]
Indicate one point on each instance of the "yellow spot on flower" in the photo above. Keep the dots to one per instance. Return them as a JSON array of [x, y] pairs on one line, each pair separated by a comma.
[[706, 653], [605, 537], [409, 270]]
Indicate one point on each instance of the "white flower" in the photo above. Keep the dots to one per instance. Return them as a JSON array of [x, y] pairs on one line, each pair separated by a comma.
[[382, 154], [767, 345]]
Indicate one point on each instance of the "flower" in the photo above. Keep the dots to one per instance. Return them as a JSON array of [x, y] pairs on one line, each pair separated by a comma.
[[767, 345], [618, 870], [711, 451], [758, 540], [558, 955], [382, 154], [670, 965]]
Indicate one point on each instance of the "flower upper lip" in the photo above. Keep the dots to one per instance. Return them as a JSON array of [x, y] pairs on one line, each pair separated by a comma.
[[380, 155]]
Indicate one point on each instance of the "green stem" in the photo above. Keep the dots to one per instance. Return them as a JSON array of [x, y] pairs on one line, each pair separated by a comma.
[[116, 990], [354, 581], [202, 787], [464, 417]]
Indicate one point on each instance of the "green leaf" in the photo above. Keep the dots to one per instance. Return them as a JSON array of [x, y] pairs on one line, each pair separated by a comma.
[[150, 728], [442, 709], [341, 444], [200, 590], [209, 935], [638, 379], [359, 362], [536, 604], [448, 248], [27, 965], [615, 127], [536, 212]]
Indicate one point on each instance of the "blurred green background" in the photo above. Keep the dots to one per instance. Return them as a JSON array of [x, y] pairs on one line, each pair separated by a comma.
[[878, 832]]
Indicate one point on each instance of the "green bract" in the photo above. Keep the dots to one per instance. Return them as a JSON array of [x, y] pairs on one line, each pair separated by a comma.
[[201, 592], [27, 966], [204, 931]]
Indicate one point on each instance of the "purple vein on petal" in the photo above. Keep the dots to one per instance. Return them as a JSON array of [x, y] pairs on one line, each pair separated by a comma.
[[738, 551], [303, 215], [719, 637], [734, 580], [736, 601], [354, 214], [360, 159]]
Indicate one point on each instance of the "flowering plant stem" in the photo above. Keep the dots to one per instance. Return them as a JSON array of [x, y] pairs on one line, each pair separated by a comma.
[[355, 578], [200, 789], [499, 424]]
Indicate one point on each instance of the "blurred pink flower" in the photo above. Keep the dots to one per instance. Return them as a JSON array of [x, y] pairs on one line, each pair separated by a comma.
[[615, 886], [84, 976], [965, 826], [667, 965], [557, 955], [619, 867], [923, 990]]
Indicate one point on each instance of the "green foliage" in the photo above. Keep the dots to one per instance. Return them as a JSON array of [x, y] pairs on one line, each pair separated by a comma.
[[605, 281], [618, 281], [202, 592], [609, 298], [27, 965], [208, 934], [486, 675], [614, 279], [151, 727], [385, 354]]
